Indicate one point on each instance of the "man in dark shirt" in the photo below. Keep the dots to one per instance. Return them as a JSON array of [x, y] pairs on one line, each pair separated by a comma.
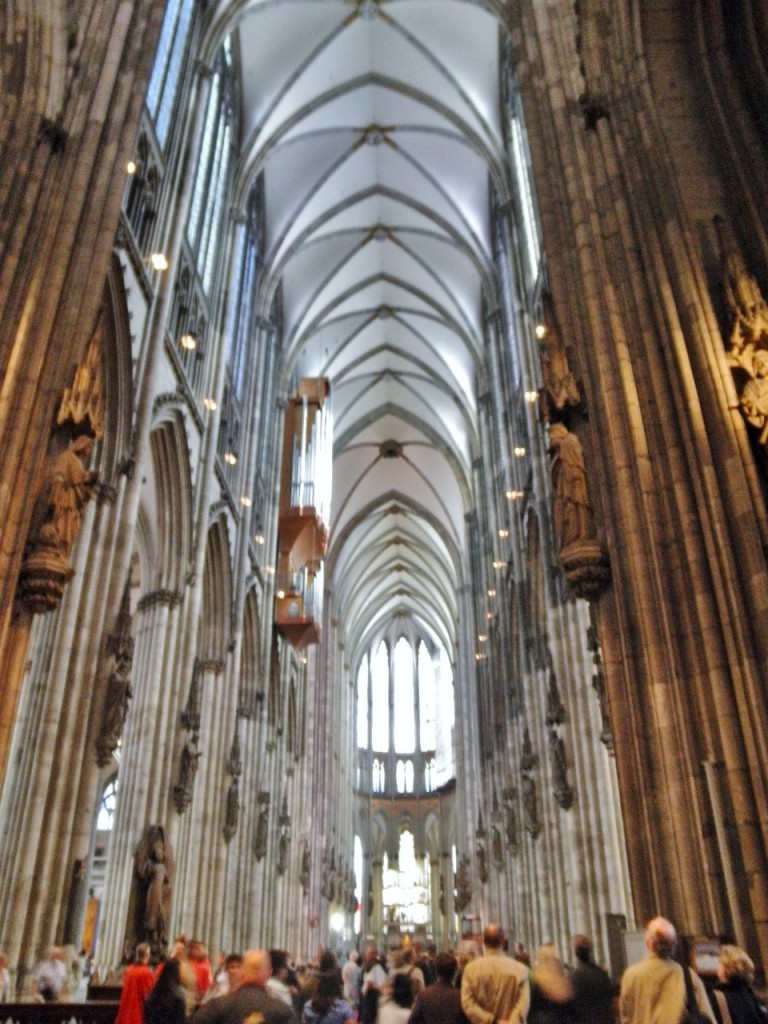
[[250, 1003], [593, 988], [440, 1003]]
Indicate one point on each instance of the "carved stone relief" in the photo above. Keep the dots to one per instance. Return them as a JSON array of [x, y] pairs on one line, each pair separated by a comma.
[[747, 336]]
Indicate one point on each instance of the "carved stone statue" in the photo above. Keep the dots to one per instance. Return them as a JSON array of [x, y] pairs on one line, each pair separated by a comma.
[[231, 811], [530, 805], [262, 828], [283, 843], [154, 866], [754, 395], [182, 791], [581, 555], [305, 866], [482, 861], [463, 885], [68, 488], [116, 701], [561, 788], [574, 520]]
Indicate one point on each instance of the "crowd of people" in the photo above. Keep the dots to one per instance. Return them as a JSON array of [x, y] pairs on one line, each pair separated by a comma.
[[412, 986]]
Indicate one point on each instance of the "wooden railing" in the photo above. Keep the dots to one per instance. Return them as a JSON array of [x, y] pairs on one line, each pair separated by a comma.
[[92, 1012]]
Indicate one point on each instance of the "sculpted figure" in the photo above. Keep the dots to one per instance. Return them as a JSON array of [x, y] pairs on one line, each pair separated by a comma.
[[68, 489], [154, 866], [118, 697], [573, 516], [754, 397]]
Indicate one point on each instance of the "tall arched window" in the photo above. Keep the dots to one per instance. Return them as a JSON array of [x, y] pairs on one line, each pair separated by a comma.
[[362, 704], [210, 190], [169, 61], [106, 815], [427, 733], [405, 721], [405, 713], [380, 699]]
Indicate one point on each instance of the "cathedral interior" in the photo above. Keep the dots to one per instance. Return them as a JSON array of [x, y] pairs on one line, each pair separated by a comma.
[[384, 411]]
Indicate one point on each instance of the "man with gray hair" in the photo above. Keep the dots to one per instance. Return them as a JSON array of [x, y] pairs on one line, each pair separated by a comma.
[[653, 991], [250, 1003], [494, 987]]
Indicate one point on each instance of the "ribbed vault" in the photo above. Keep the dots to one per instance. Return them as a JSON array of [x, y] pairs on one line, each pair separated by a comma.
[[376, 128]]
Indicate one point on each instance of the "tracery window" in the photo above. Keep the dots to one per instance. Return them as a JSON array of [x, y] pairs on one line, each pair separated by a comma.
[[380, 699], [404, 776], [362, 703], [210, 190], [405, 721], [169, 60], [405, 714], [379, 776], [106, 816], [525, 193], [426, 699]]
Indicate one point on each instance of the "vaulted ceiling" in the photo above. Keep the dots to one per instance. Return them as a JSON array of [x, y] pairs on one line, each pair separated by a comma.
[[377, 126]]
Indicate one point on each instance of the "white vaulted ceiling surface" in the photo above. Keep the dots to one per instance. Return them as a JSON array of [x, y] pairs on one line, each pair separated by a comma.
[[376, 125]]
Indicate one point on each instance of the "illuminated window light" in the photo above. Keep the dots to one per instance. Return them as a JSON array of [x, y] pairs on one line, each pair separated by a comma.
[[188, 341], [481, 637], [514, 495], [303, 659], [489, 615], [531, 396], [281, 594], [245, 501], [499, 565], [519, 451], [131, 167], [503, 534], [230, 458], [492, 592], [209, 404], [540, 331], [269, 570], [159, 261], [258, 538]]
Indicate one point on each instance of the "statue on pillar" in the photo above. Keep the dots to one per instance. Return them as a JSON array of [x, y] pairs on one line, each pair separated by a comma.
[[67, 489], [581, 555], [154, 869]]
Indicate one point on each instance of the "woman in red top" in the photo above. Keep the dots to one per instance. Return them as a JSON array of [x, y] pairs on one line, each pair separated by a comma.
[[137, 982]]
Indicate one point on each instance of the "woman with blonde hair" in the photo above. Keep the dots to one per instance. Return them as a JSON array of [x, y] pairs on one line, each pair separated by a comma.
[[552, 995], [734, 1001]]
